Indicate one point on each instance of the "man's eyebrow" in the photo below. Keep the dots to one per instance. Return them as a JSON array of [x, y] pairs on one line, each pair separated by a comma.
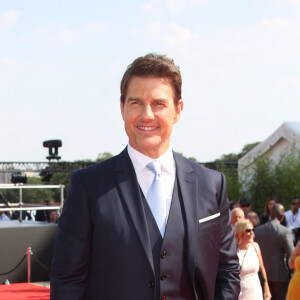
[[133, 99], [139, 99], [160, 99]]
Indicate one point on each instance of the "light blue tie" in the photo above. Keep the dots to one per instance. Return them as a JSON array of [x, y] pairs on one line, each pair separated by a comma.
[[155, 197]]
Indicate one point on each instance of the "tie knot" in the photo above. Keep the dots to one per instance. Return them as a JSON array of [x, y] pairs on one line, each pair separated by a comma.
[[155, 167]]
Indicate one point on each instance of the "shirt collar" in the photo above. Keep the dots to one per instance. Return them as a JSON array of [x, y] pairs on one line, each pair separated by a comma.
[[141, 160]]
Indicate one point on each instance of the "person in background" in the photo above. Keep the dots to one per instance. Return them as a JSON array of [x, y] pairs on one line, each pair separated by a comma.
[[292, 217], [253, 217], [251, 262], [245, 205], [276, 243], [266, 216], [25, 215], [294, 285], [3, 216], [52, 216], [236, 215], [42, 215]]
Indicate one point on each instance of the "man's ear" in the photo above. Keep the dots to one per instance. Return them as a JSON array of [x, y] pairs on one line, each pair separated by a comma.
[[178, 109], [122, 109], [281, 218]]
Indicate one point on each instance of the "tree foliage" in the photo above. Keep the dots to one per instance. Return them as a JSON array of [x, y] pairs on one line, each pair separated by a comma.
[[247, 148], [103, 156], [233, 185], [234, 157], [227, 164], [270, 178]]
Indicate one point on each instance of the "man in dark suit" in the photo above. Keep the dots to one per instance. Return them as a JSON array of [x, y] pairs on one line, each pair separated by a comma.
[[276, 244], [117, 241]]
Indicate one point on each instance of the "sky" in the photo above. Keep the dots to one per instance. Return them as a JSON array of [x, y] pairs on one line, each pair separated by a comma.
[[61, 63]]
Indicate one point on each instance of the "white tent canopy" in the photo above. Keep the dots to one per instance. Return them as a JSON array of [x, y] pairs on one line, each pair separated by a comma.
[[282, 140]]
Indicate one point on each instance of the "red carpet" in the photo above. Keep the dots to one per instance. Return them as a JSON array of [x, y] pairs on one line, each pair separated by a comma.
[[24, 291]]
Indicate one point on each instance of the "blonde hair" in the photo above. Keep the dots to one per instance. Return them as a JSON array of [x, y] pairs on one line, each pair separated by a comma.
[[239, 229]]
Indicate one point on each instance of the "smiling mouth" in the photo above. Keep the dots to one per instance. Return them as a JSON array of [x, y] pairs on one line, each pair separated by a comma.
[[147, 128]]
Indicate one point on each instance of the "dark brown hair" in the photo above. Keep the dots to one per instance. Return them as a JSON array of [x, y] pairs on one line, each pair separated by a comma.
[[154, 66], [267, 211]]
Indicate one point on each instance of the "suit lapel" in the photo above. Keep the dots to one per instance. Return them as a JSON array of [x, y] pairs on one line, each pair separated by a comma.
[[130, 194], [189, 190]]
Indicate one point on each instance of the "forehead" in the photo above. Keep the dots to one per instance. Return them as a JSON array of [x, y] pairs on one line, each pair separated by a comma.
[[145, 85], [249, 225], [237, 213]]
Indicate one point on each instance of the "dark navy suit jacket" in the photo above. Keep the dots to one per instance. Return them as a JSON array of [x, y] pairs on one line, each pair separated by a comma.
[[102, 248]]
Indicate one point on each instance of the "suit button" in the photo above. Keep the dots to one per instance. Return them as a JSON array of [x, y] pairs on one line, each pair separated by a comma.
[[163, 254], [163, 277], [151, 284], [163, 298]]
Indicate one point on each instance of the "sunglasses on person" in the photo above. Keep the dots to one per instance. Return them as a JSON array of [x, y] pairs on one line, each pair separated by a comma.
[[245, 205], [249, 230], [295, 203]]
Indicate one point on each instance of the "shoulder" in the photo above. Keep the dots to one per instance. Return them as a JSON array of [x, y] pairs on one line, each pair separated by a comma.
[[288, 213], [99, 167], [210, 183], [192, 166], [261, 229], [285, 230], [255, 245], [103, 172]]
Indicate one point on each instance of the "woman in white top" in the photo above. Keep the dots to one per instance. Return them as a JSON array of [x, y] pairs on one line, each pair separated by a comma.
[[250, 262]]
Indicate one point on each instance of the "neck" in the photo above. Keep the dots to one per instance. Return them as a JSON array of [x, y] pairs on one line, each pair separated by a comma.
[[243, 245], [154, 152]]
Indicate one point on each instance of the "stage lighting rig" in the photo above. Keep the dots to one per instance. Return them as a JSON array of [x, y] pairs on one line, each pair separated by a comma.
[[46, 174], [53, 146], [18, 178]]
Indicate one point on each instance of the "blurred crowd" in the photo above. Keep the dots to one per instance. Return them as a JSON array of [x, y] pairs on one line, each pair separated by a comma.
[[41, 215], [268, 248]]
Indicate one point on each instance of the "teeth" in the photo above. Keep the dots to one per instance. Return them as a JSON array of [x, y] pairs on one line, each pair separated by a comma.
[[146, 128]]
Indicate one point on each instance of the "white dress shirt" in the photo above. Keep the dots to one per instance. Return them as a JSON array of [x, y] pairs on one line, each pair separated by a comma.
[[145, 176], [292, 221]]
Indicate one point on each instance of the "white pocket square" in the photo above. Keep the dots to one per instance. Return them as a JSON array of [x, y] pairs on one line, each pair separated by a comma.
[[209, 218]]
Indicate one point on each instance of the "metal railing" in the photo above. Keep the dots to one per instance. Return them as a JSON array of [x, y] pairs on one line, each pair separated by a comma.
[[21, 206]]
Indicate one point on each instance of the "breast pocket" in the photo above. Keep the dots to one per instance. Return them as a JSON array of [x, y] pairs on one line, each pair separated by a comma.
[[210, 221]]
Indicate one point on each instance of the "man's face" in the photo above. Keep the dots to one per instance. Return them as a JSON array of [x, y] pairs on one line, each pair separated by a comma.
[[149, 114], [53, 217], [245, 207], [236, 216], [253, 218], [295, 205]]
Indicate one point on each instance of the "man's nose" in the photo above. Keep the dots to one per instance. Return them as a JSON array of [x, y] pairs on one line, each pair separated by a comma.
[[148, 113]]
